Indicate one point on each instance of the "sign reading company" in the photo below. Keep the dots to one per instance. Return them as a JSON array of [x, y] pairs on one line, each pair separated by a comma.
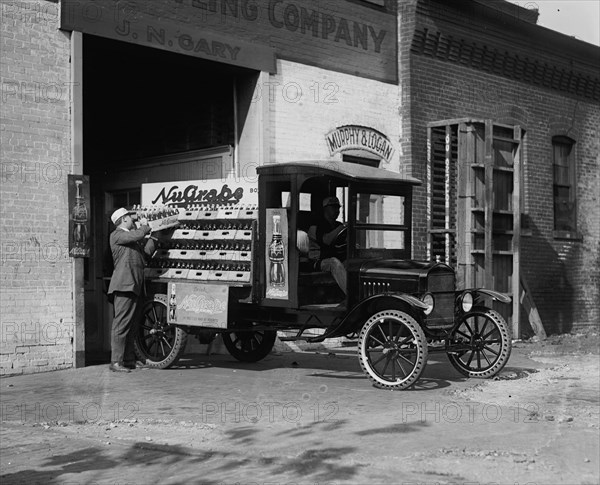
[[189, 192], [355, 137], [346, 36]]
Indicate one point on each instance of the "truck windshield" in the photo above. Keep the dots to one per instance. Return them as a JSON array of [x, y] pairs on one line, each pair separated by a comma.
[[382, 225]]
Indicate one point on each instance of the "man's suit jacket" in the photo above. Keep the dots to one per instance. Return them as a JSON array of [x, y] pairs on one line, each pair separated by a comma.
[[128, 258]]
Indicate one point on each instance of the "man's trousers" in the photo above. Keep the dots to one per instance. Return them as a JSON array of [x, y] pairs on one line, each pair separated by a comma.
[[128, 307], [337, 270]]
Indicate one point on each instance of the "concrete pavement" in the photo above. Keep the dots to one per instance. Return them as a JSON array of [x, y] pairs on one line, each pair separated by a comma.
[[295, 417]]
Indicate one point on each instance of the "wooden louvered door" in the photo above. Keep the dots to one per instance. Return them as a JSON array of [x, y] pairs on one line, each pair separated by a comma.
[[474, 183], [441, 176]]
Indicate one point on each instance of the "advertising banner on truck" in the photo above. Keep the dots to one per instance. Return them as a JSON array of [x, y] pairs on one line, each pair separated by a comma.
[[196, 304]]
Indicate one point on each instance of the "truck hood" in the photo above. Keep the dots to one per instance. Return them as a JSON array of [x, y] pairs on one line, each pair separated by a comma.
[[393, 267]]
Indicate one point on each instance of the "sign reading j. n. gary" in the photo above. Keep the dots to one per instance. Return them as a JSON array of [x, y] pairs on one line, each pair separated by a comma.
[[191, 192], [354, 137]]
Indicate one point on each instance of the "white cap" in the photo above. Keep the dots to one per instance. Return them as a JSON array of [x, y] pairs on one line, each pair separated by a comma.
[[120, 212]]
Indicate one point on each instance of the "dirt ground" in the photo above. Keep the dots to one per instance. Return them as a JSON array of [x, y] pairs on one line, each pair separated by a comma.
[[309, 417]]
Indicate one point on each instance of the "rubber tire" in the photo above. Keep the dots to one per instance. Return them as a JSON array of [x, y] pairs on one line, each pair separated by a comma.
[[265, 344], [176, 337], [504, 351], [419, 340]]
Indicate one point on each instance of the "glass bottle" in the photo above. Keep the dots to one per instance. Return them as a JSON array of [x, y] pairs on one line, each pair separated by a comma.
[[173, 304], [276, 255]]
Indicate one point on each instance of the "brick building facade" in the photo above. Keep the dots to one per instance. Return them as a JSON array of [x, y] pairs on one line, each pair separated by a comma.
[[36, 296], [312, 67], [469, 61]]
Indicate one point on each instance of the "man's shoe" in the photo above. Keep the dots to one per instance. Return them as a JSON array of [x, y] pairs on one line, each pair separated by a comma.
[[116, 367], [138, 364]]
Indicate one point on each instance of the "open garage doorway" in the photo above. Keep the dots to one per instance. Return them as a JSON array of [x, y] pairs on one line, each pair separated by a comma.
[[150, 115]]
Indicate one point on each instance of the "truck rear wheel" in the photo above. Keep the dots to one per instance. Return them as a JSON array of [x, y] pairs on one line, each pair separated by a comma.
[[157, 343], [485, 333], [392, 349], [251, 345]]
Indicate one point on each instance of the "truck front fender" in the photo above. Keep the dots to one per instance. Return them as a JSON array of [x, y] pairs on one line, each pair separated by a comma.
[[480, 293], [496, 295], [355, 319]]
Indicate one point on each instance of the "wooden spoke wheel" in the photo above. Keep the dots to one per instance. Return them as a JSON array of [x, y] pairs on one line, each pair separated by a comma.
[[392, 349], [486, 337], [250, 345], [157, 343]]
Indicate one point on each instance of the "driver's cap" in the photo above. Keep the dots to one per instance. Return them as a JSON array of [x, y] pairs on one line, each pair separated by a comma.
[[331, 201]]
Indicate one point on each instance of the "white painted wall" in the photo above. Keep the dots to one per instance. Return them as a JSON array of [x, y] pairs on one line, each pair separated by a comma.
[[307, 102]]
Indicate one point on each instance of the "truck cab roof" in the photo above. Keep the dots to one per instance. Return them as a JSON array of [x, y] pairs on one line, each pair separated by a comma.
[[337, 169]]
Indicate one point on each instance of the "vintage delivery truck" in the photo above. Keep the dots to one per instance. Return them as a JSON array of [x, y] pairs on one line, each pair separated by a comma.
[[233, 267]]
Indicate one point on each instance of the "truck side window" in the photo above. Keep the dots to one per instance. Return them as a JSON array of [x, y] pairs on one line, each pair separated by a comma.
[[277, 194]]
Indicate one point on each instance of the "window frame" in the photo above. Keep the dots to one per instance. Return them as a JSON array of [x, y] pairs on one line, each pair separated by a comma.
[[564, 224], [405, 228]]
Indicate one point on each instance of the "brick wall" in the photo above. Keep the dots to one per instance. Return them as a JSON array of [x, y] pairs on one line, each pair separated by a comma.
[[308, 102], [562, 274], [406, 27], [36, 321]]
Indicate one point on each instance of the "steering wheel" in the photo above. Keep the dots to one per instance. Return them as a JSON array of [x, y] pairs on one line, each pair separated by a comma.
[[340, 244]]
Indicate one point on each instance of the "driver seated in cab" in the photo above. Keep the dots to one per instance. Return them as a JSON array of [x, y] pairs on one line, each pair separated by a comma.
[[318, 246]]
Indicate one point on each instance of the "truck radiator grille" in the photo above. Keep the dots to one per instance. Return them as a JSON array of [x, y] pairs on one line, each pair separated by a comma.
[[443, 311], [440, 282]]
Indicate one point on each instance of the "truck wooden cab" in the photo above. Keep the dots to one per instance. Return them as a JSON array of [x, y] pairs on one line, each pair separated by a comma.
[[398, 309]]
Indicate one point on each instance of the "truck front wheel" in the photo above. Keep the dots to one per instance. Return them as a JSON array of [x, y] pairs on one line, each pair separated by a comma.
[[392, 349], [485, 340], [250, 345]]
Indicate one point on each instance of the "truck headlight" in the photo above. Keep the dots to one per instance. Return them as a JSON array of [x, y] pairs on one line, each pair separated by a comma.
[[466, 302], [430, 302]]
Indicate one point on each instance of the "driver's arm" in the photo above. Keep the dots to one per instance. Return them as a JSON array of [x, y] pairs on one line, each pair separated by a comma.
[[329, 237]]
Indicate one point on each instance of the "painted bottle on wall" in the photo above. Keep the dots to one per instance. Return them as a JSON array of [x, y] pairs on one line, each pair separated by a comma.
[[79, 215]]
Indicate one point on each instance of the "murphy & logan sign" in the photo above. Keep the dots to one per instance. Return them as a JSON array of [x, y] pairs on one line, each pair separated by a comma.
[[355, 137]]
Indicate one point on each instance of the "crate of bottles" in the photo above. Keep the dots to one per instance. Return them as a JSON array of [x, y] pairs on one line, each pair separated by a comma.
[[158, 217], [212, 243], [184, 233]]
